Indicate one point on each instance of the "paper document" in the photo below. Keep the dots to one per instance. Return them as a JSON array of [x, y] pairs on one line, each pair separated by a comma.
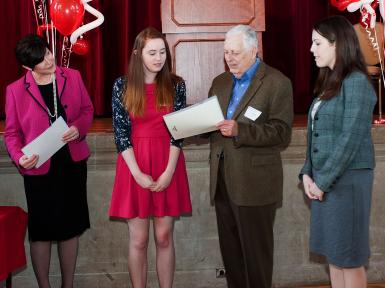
[[48, 142], [196, 119]]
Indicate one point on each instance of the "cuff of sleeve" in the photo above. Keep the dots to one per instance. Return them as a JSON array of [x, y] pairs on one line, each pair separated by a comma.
[[237, 140], [325, 186]]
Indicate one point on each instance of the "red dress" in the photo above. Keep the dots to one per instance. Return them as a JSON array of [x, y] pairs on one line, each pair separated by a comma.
[[151, 143]]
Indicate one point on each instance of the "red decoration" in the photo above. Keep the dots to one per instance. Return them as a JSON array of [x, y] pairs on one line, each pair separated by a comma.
[[366, 16], [67, 15], [42, 28], [342, 4], [81, 46]]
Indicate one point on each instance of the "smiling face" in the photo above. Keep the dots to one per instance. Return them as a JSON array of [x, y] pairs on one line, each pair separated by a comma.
[[47, 66], [154, 57], [238, 57], [324, 52]]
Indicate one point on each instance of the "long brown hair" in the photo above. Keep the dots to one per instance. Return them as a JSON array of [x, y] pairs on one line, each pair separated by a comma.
[[134, 95], [338, 30]]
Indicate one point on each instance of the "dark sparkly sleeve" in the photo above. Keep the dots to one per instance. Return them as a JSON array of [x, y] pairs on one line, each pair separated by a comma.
[[179, 103], [120, 118]]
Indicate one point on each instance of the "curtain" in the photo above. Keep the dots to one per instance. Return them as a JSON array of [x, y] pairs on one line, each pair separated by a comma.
[[286, 43], [110, 43]]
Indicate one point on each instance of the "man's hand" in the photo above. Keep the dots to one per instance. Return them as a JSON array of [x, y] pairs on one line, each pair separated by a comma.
[[228, 128]]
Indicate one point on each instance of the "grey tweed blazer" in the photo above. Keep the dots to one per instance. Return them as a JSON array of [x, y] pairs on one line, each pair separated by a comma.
[[341, 136]]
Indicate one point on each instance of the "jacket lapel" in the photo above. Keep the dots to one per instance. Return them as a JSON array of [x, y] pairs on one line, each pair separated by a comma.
[[61, 81], [33, 90], [225, 93], [252, 90]]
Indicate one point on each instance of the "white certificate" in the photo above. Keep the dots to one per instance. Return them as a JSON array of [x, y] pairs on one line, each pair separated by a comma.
[[48, 142], [197, 119]]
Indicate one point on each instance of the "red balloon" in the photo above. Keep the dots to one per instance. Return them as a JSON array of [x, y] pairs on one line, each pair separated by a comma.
[[67, 15], [81, 47], [342, 4]]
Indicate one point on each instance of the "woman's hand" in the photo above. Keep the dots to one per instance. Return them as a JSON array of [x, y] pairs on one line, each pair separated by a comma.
[[71, 134], [143, 180], [307, 184], [28, 162], [318, 193], [163, 181]]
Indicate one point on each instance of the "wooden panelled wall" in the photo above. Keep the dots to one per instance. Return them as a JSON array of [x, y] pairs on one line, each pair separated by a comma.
[[195, 32]]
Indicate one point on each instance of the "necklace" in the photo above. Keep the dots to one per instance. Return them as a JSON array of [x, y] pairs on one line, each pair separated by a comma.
[[54, 99]]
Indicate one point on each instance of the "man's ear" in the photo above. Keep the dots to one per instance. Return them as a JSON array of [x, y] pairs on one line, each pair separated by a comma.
[[26, 67]]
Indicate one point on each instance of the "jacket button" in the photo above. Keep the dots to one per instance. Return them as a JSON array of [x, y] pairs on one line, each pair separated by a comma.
[[316, 134], [315, 150], [65, 106]]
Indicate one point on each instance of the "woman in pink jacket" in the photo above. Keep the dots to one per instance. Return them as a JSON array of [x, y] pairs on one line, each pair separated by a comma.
[[56, 191]]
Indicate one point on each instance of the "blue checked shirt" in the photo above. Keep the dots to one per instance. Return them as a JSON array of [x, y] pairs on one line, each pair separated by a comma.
[[240, 87]]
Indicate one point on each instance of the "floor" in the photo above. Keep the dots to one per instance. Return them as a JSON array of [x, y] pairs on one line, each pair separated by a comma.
[[379, 285]]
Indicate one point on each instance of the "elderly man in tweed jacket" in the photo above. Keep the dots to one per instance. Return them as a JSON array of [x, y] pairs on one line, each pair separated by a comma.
[[245, 162]]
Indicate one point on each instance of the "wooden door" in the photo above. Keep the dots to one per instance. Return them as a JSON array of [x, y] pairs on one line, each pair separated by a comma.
[[195, 31]]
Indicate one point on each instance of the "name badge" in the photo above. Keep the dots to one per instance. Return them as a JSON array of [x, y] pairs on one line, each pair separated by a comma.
[[252, 113]]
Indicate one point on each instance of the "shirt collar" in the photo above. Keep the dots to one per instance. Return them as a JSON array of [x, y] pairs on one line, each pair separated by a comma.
[[249, 72]]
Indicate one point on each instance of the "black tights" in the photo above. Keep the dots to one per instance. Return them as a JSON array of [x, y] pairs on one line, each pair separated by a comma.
[[41, 256]]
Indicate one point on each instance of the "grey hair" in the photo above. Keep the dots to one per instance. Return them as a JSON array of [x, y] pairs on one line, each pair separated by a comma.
[[250, 39]]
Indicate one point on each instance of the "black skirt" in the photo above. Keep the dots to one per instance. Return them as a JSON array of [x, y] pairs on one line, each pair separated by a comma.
[[57, 201]]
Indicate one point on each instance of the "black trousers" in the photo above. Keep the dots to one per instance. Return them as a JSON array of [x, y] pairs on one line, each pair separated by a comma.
[[246, 240]]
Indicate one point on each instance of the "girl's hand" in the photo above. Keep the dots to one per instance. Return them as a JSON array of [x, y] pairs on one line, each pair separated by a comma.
[[145, 181], [163, 181]]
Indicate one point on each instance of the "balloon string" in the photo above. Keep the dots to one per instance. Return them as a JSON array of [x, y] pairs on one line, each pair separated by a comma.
[[46, 22], [34, 9], [373, 41], [380, 58]]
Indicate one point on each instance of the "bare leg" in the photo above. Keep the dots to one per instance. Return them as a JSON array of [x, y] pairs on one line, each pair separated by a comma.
[[355, 277], [165, 251], [41, 257], [337, 276], [137, 251], [68, 252]]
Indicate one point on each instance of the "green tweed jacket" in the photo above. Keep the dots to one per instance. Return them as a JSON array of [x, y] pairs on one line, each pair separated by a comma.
[[252, 161], [341, 136]]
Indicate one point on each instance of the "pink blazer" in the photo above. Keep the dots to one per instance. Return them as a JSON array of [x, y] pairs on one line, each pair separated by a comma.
[[27, 117]]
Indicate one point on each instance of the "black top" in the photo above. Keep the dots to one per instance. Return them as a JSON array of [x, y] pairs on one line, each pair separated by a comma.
[[46, 92], [62, 157]]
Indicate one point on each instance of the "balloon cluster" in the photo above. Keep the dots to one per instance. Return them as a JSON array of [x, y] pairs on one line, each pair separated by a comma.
[[66, 16], [368, 21], [366, 7]]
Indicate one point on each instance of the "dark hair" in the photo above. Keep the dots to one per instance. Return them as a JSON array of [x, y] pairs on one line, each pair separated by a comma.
[[30, 50], [338, 30], [133, 98]]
